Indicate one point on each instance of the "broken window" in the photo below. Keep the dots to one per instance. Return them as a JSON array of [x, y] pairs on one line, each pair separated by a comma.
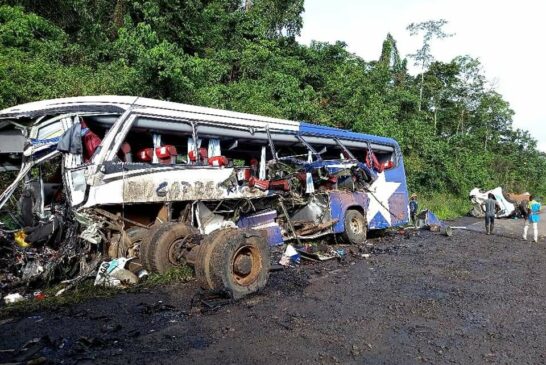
[[379, 159], [155, 141]]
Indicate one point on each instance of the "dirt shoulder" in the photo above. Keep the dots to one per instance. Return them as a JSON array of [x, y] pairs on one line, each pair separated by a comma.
[[427, 298]]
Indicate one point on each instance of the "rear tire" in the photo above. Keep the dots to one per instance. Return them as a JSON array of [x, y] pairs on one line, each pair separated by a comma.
[[356, 227], [159, 254], [146, 242], [234, 261]]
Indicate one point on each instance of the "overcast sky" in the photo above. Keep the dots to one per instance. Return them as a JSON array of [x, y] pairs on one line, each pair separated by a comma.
[[508, 37]]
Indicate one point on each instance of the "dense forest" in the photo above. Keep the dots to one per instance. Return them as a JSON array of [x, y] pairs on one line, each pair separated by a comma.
[[454, 129]]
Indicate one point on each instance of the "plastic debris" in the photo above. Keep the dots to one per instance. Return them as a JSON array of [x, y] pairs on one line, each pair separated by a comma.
[[113, 274], [428, 220], [13, 298], [290, 256], [20, 239], [32, 270], [39, 295]]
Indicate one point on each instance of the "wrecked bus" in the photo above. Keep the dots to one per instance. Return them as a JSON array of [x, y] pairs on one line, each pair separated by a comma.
[[174, 184]]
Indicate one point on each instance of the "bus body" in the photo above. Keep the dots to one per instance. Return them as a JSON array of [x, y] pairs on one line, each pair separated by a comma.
[[157, 163]]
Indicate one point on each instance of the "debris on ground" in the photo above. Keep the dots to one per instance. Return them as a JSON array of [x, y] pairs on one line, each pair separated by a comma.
[[13, 298], [426, 219], [114, 274], [290, 256]]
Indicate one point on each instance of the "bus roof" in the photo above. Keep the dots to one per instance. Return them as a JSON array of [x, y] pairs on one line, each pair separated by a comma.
[[119, 104]]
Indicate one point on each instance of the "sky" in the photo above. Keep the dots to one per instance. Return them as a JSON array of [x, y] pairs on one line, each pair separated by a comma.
[[508, 37]]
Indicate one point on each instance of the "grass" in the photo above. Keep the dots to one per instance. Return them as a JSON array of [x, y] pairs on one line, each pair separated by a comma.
[[180, 274], [445, 206], [83, 292]]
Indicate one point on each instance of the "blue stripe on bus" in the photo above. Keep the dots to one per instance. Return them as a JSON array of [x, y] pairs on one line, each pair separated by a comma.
[[319, 130]]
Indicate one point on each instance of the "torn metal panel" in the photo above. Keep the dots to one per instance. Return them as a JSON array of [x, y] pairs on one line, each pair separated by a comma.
[[315, 211], [24, 171], [265, 221], [209, 221], [80, 104], [12, 141]]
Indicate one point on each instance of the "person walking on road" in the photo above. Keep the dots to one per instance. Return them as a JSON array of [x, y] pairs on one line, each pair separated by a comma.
[[533, 210], [413, 207], [491, 207]]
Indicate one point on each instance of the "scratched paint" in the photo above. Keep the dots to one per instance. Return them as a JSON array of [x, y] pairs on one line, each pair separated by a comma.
[[174, 185]]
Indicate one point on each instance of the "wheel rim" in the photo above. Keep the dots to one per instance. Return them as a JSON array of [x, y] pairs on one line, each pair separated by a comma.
[[245, 265], [174, 250], [355, 225]]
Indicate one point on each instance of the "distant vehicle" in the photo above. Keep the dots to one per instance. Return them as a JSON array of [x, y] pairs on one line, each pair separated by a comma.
[[509, 203], [206, 187]]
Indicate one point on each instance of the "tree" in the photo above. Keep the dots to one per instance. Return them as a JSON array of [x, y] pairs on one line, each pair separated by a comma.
[[423, 56], [242, 56]]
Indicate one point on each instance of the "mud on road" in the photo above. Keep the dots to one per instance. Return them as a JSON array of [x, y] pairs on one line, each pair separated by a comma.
[[466, 299]]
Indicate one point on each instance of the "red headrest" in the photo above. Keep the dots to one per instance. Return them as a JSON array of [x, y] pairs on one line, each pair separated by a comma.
[[166, 151], [218, 161], [203, 153], [145, 154]]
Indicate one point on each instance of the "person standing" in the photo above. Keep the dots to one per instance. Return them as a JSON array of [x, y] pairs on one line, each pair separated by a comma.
[[533, 210], [413, 207], [491, 207]]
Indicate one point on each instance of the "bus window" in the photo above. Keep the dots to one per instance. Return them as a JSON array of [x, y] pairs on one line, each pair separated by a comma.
[[375, 158], [155, 145], [331, 152], [295, 152]]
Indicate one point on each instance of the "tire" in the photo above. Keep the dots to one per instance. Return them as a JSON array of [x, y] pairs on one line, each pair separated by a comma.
[[234, 261], [160, 256], [148, 238], [135, 236], [356, 227]]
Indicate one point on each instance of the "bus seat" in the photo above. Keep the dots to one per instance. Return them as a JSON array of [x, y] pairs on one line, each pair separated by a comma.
[[220, 161], [145, 154], [279, 185], [203, 155], [372, 162], [388, 165], [90, 141], [165, 152], [244, 174], [258, 183]]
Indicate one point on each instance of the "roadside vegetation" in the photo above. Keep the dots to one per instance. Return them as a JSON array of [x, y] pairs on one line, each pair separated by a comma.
[[445, 206], [455, 130]]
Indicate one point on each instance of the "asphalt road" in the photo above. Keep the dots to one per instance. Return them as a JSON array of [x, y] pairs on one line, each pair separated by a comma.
[[512, 227], [418, 299]]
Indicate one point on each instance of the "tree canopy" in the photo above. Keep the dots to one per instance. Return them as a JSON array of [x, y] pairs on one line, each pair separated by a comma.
[[454, 129]]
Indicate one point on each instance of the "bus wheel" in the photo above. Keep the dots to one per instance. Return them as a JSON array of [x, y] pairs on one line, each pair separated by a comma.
[[234, 261], [355, 227], [145, 243], [160, 253], [136, 235]]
